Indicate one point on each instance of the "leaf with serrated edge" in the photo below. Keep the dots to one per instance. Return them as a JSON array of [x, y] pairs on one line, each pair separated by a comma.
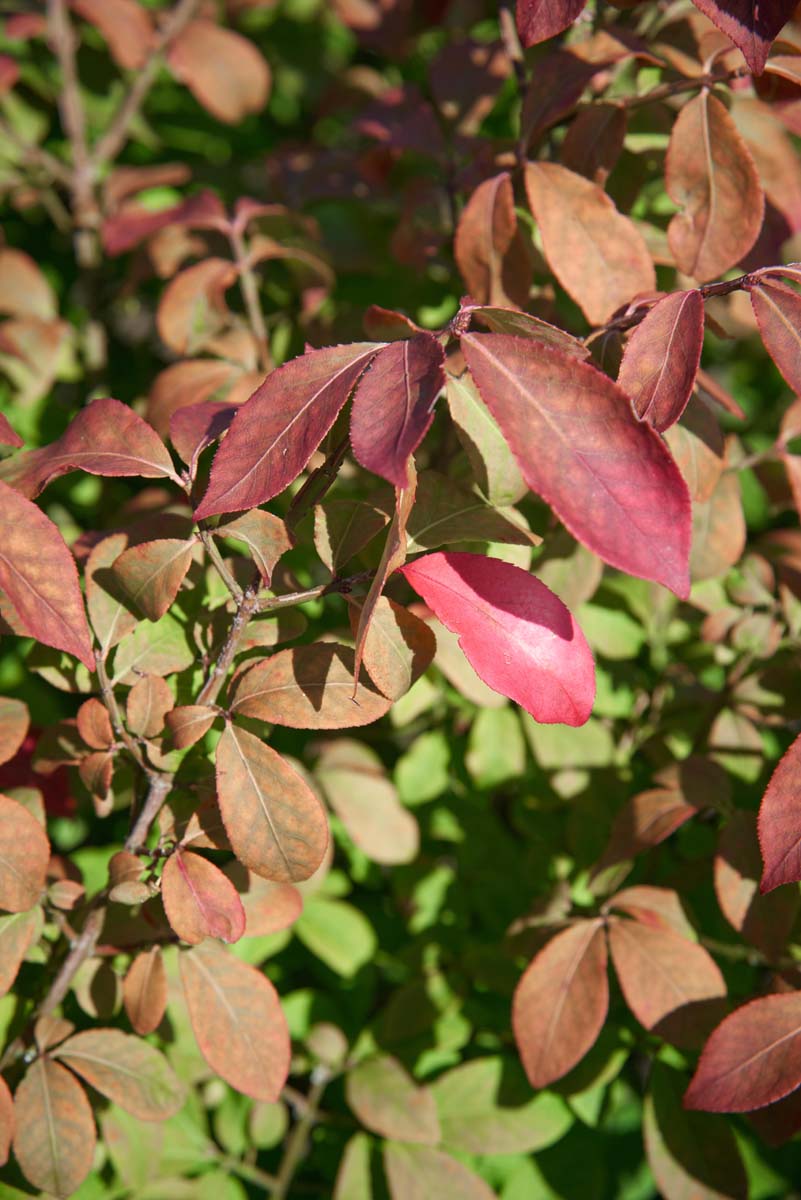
[[274, 821], [144, 991], [398, 647], [388, 1102], [199, 900], [147, 705], [150, 574], [606, 475], [24, 855], [126, 1070], [764, 920], [751, 26], [237, 1020], [189, 723], [54, 1140], [780, 822], [777, 309]]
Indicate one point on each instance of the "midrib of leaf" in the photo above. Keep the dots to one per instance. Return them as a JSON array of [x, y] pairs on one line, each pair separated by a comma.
[[220, 992], [564, 991], [666, 359], [777, 311], [161, 569], [711, 191], [656, 965], [262, 802]]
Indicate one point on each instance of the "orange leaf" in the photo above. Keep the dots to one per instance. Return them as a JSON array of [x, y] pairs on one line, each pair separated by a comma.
[[199, 901], [54, 1139], [24, 855]]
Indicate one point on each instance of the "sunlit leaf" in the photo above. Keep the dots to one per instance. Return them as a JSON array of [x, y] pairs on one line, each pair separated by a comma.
[[150, 574], [144, 991], [54, 1139], [148, 703], [199, 900], [126, 1069], [266, 537], [24, 855], [423, 1173], [224, 71], [488, 246], [777, 309], [14, 721], [661, 359], [780, 822], [751, 26]]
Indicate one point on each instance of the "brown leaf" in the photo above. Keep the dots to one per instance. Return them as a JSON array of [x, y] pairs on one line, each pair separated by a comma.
[[594, 141], [186, 384], [356, 786], [24, 290], [144, 991], [96, 771], [110, 618], [489, 249], [14, 721], [192, 307], [777, 309], [765, 921], [6, 1121], [493, 465], [655, 906], [274, 821], [126, 1070], [224, 71], [661, 359], [54, 1140], [24, 855], [698, 449], [389, 1103], [398, 647], [188, 723], [126, 26], [150, 574], [147, 705], [94, 724], [308, 687], [38, 575], [719, 531], [596, 253], [18, 932], [561, 1002], [710, 174], [265, 535], [199, 900], [644, 821], [237, 1020], [269, 907]]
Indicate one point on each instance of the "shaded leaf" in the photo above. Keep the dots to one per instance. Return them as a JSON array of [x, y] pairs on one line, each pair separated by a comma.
[[538, 20], [37, 573], [14, 721], [607, 476], [393, 405], [18, 932], [308, 687], [488, 246], [94, 724], [151, 573], [357, 788], [661, 359], [198, 426], [273, 435], [659, 907], [24, 289], [561, 1002], [110, 618], [6, 1121], [719, 530], [644, 821], [354, 1176], [597, 254], [237, 1019], [751, 26], [523, 324], [144, 991], [147, 705], [189, 723], [266, 537], [223, 70], [423, 1173], [494, 466], [199, 900], [125, 1069], [594, 141], [269, 907], [777, 309], [7, 435], [698, 449], [54, 1139], [443, 513], [387, 1101], [397, 649], [153, 648], [765, 921], [710, 174], [780, 822], [344, 527], [274, 821], [24, 855], [518, 636], [753, 1058]]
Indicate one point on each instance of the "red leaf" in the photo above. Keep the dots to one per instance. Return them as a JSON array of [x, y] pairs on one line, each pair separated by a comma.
[[751, 24], [224, 71], [780, 822], [105, 438], [55, 1132], [149, 575], [489, 250], [127, 228], [37, 573], [668, 981], [561, 1002], [607, 476], [519, 636], [275, 433], [24, 855], [237, 1020], [763, 920], [7, 435], [710, 174], [661, 359], [752, 1059], [144, 991], [538, 20], [777, 309], [199, 900], [644, 821], [394, 405]]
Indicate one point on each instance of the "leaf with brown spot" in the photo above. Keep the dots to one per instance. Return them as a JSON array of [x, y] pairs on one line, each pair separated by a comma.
[[308, 687], [38, 575], [710, 175], [14, 721], [144, 991], [356, 786], [147, 705], [54, 1140], [265, 535], [126, 26], [6, 1121], [489, 248], [269, 907], [188, 723], [24, 855], [126, 1070], [275, 823], [561, 1002], [18, 932], [777, 309], [94, 724], [199, 900], [597, 254], [237, 1019], [223, 70], [398, 647], [661, 359], [388, 1102], [150, 574]]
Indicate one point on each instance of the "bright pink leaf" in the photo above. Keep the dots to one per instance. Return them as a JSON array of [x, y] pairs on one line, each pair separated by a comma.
[[780, 822], [607, 476], [519, 636], [538, 20], [752, 1059], [661, 359], [751, 24], [394, 405], [275, 433]]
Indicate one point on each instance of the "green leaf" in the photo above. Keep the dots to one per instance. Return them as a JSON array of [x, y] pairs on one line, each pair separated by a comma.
[[336, 933]]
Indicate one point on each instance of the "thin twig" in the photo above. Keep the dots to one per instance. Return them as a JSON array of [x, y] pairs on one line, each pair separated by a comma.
[[250, 294], [247, 608], [665, 90], [298, 1139], [113, 709], [319, 482], [636, 313], [73, 118], [36, 155], [159, 790], [219, 563]]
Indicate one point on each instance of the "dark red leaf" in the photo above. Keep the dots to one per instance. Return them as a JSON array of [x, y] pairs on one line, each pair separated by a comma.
[[127, 228], [538, 20], [661, 359], [519, 637], [607, 476], [197, 426], [751, 24], [780, 822], [752, 1059], [394, 405], [273, 435]]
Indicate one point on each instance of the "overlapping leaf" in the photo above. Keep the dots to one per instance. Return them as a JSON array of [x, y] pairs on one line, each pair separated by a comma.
[[223, 70], [126, 1069], [150, 574], [199, 900], [538, 20], [489, 248], [780, 822], [54, 1139], [14, 721], [777, 309], [661, 359], [387, 1101], [765, 921], [751, 26]]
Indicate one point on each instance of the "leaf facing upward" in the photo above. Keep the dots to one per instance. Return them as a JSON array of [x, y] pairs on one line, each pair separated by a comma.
[[275, 433], [275, 823], [24, 855], [237, 1019], [710, 174], [752, 1059], [661, 359], [489, 250], [37, 573], [398, 647], [54, 1140], [561, 1002], [151, 574], [393, 406], [127, 1070], [199, 900], [105, 438], [388, 1102], [417, 1172], [777, 309], [780, 822], [751, 26], [519, 637], [607, 476]]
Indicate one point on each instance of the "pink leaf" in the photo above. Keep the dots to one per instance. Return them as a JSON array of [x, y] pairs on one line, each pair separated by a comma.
[[751, 24], [275, 433], [752, 1059], [608, 477], [538, 20], [661, 359], [777, 309], [125, 229], [394, 405], [8, 437], [519, 636], [780, 822]]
